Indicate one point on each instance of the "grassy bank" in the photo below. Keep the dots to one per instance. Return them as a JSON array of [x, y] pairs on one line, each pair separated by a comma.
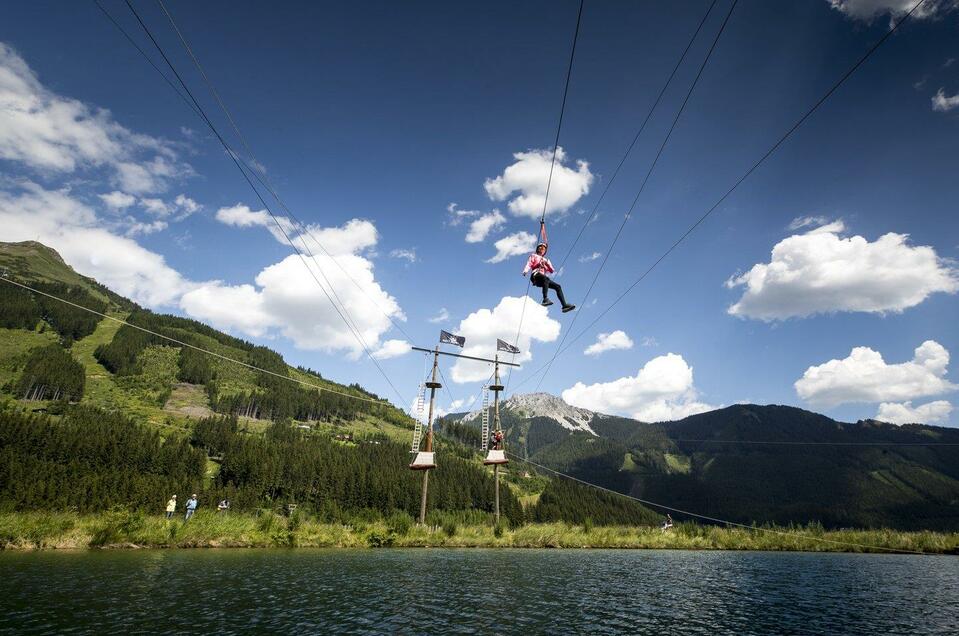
[[121, 529]]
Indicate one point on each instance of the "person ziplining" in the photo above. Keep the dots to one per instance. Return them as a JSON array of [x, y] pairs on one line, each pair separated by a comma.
[[541, 267]]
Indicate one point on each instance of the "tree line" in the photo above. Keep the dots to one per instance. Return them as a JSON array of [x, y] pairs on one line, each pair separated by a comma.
[[21, 309], [90, 460], [51, 373]]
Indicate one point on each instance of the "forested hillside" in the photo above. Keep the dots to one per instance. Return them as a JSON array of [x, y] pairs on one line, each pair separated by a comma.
[[99, 413], [750, 463]]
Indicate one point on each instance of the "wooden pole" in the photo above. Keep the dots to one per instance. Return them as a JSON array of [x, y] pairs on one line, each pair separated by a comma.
[[429, 435], [496, 427]]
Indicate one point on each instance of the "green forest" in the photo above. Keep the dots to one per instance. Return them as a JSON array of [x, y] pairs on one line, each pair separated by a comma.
[[90, 460]]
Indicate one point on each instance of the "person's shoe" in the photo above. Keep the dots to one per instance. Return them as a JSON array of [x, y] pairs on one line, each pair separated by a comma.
[[547, 302], [567, 308]]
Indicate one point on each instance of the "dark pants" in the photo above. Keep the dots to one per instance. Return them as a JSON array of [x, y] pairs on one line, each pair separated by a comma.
[[541, 280]]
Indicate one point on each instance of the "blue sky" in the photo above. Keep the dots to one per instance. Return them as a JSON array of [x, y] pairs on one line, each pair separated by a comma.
[[373, 119]]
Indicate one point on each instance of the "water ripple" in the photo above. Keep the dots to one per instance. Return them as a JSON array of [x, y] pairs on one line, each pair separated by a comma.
[[477, 592]]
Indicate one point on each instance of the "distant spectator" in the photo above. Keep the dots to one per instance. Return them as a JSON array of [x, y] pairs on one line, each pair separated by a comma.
[[191, 504], [223, 506], [171, 507]]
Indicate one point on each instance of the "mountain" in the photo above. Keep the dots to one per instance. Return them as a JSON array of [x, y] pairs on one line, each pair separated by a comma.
[[749, 463]]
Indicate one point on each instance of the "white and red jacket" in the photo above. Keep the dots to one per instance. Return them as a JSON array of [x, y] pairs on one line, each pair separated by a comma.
[[538, 265]]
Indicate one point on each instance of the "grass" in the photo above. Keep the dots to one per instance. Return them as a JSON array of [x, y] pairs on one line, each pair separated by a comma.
[[119, 528]]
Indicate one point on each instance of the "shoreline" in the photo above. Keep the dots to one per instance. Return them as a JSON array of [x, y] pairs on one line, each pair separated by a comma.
[[122, 530]]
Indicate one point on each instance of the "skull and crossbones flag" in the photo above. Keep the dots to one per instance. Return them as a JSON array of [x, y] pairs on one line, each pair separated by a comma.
[[502, 345], [449, 338]]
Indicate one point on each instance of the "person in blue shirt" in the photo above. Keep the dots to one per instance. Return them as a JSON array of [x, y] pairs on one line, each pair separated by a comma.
[[191, 504]]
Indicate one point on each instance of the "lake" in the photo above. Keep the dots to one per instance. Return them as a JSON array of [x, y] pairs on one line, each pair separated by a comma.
[[477, 591]]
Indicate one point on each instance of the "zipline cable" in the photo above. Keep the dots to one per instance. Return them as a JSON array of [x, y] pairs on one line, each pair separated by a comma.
[[267, 183], [263, 177], [629, 148], [278, 223], [716, 519], [181, 343], [739, 182], [549, 180], [642, 186]]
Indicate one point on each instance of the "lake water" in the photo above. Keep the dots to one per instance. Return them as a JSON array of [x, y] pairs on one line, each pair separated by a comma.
[[477, 591]]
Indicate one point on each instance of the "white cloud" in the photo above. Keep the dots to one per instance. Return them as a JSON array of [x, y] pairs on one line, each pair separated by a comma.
[[591, 257], [822, 272], [943, 103], [864, 376], [117, 200], [408, 255], [529, 175], [288, 301], [609, 342], [481, 227], [484, 326], [55, 134], [649, 341], [352, 237], [904, 413], [442, 316], [185, 205], [457, 216], [30, 212], [455, 405], [232, 307], [867, 10], [136, 227], [805, 221], [155, 207], [513, 245], [392, 349], [662, 390]]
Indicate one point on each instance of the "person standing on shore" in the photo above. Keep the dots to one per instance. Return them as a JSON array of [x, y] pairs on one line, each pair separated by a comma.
[[191, 504], [171, 507]]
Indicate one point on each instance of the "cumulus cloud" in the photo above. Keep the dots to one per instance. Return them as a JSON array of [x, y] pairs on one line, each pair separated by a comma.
[[58, 135], [943, 103], [528, 177], [904, 413], [407, 255], [481, 227], [457, 216], [30, 212], [864, 376], [823, 272], [609, 342], [354, 236], [484, 326], [392, 349], [442, 316], [117, 200], [287, 300], [513, 245], [185, 205], [136, 227], [662, 390], [155, 206], [867, 10]]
